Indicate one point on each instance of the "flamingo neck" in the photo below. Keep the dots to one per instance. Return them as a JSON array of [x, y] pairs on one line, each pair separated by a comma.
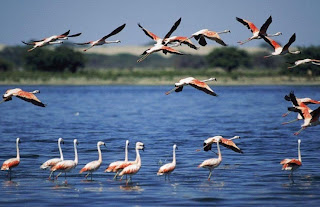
[[299, 153], [126, 153], [18, 152], [138, 159], [75, 153], [99, 152], [273, 35], [219, 152], [60, 150], [115, 41], [174, 156]]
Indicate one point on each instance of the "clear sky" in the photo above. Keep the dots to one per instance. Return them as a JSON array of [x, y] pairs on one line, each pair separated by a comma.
[[36, 19]]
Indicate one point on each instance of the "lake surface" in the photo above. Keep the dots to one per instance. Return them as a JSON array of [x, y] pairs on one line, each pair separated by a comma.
[[114, 114]]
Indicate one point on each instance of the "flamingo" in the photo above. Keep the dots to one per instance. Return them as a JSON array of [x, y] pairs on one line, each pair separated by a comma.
[[213, 162], [103, 41], [93, 165], [168, 168], [228, 143], [24, 95], [50, 40], [161, 44], [292, 164], [256, 33], [278, 50], [113, 167], [205, 33], [201, 85], [67, 165], [135, 167], [307, 60], [53, 161], [296, 102], [12, 162]]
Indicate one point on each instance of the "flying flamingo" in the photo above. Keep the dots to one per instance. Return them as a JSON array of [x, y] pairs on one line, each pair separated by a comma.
[[256, 33], [278, 50], [67, 165], [12, 162], [310, 118], [53, 161], [50, 40], [24, 95], [112, 167], [292, 164], [93, 165], [213, 162], [308, 60], [161, 44], [135, 167], [168, 168], [205, 33], [103, 40], [228, 143], [201, 85]]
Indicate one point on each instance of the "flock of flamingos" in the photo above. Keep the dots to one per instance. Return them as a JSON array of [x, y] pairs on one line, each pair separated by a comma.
[[129, 168]]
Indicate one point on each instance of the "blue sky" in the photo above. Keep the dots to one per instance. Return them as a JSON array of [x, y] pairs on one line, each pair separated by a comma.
[[36, 19]]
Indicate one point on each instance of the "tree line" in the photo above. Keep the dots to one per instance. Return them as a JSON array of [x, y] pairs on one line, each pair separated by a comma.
[[65, 58]]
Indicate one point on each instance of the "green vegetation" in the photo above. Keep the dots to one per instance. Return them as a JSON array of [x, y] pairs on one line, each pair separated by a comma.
[[64, 65]]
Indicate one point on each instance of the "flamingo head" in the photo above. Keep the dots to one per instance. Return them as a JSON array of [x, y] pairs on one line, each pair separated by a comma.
[[140, 146], [227, 31], [60, 140], [278, 33], [18, 140], [101, 143], [175, 146]]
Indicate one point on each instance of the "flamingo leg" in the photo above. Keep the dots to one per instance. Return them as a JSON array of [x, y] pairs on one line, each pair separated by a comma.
[[128, 180], [286, 114], [168, 92], [298, 132], [87, 175], [143, 57], [210, 174], [245, 41], [88, 48], [58, 175], [290, 121], [115, 176], [51, 175]]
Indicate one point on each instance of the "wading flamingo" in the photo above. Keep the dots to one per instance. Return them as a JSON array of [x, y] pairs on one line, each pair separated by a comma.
[[201, 85], [292, 164], [278, 50], [213, 162], [12, 162], [161, 44], [135, 167], [24, 95], [93, 165], [117, 165], [103, 41], [49, 163], [228, 143], [168, 168], [50, 40], [205, 33], [256, 33], [304, 61], [67, 165]]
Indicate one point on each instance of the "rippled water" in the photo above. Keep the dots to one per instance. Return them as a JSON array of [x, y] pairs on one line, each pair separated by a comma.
[[143, 113]]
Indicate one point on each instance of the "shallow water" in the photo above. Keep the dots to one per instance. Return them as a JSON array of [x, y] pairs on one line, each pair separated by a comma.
[[143, 113]]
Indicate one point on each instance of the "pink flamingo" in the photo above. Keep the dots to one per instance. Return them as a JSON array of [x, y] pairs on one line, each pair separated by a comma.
[[49, 163], [278, 50], [93, 165], [117, 166], [256, 33], [50, 40], [135, 167], [24, 95], [304, 61], [103, 41], [292, 164], [201, 85], [205, 33], [213, 162], [67, 165], [12, 162], [168, 168], [228, 143]]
